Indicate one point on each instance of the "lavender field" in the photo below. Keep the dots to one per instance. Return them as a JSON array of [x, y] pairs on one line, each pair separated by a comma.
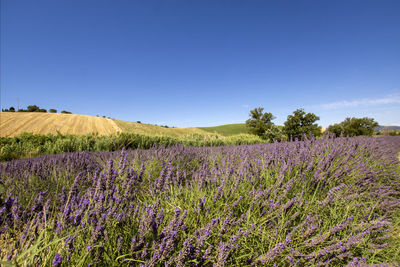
[[327, 202]]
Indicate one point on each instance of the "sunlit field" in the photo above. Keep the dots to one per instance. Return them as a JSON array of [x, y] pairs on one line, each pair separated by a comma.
[[315, 202]]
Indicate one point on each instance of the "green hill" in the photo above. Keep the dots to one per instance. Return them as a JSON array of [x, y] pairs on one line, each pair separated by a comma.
[[149, 129], [227, 129]]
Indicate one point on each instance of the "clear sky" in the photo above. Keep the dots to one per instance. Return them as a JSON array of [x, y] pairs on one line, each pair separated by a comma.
[[204, 62]]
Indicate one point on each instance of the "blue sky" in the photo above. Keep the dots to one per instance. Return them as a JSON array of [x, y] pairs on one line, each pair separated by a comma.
[[203, 63]]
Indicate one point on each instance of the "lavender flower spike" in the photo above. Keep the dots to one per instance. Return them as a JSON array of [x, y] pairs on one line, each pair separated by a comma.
[[57, 260]]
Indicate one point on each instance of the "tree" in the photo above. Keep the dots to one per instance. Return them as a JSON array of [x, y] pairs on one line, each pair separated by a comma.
[[354, 127], [336, 129], [52, 110], [300, 124], [11, 109], [261, 124], [66, 112], [33, 108]]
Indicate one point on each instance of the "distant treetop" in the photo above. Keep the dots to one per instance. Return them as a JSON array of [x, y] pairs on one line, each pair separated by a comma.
[[354, 127], [34, 108], [11, 109]]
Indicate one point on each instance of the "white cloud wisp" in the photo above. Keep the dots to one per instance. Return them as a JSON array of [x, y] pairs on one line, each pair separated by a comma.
[[390, 99]]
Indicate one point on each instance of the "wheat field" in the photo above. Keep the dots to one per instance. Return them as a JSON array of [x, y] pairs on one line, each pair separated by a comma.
[[14, 123]]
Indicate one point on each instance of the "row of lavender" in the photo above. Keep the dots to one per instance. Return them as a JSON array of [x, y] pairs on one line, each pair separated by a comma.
[[314, 202]]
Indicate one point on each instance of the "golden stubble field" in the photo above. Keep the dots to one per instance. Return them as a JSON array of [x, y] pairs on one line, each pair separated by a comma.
[[14, 123]]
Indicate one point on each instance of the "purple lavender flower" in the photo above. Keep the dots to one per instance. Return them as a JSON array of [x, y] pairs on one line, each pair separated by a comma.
[[57, 260]]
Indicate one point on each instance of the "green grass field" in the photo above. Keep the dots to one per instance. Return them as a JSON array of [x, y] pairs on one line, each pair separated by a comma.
[[227, 129], [151, 130]]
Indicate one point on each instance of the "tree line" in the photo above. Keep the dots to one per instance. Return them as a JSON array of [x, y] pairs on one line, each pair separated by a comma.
[[301, 124], [34, 108]]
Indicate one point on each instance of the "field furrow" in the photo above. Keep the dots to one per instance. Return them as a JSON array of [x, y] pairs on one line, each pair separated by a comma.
[[12, 124]]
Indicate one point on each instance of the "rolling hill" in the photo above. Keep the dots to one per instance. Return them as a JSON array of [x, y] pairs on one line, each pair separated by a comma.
[[149, 129], [380, 128], [227, 129], [15, 123]]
